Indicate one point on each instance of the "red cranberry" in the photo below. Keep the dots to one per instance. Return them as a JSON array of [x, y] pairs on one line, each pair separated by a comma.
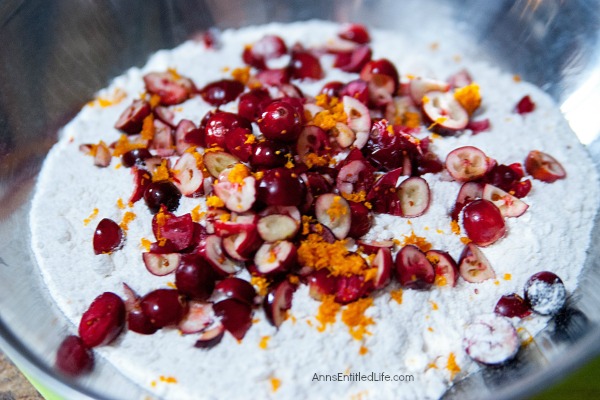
[[194, 277], [251, 104], [135, 157], [267, 48], [483, 222], [139, 322], [236, 288], [218, 126], [356, 33], [305, 65], [162, 192], [361, 219], [546, 293], [358, 89], [280, 187], [103, 320], [380, 67], [525, 105], [332, 89], [269, 154], [280, 121], [238, 143], [108, 237], [163, 307], [221, 92], [512, 305], [235, 315], [74, 357]]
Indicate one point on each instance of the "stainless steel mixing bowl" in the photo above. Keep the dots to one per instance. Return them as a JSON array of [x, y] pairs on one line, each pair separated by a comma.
[[55, 54]]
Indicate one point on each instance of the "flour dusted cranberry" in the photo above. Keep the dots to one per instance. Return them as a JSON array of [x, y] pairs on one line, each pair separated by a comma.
[[132, 119], [108, 237], [512, 305], [162, 193], [73, 357], [280, 121], [491, 339], [194, 277], [413, 269], [135, 157], [221, 92], [544, 167], [266, 48], [546, 293], [171, 87], [252, 103], [218, 126], [102, 322], [280, 187], [304, 65], [278, 301], [163, 307], [483, 222], [235, 315]]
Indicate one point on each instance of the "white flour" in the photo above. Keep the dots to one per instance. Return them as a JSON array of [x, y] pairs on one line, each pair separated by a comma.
[[416, 337]]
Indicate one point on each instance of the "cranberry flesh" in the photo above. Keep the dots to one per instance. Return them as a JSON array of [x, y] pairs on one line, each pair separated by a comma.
[[546, 293], [108, 237], [194, 277], [280, 187], [163, 307], [280, 121], [74, 357], [512, 305], [103, 320], [162, 193], [483, 222]]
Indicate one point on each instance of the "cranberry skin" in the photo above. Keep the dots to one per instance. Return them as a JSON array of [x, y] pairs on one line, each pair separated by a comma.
[[304, 65], [162, 192], [219, 124], [73, 357], [545, 293], [332, 89], [194, 277], [280, 121], [108, 237], [251, 104], [280, 187], [361, 220], [236, 288], [356, 33], [382, 66], [163, 307], [483, 222], [103, 320], [269, 154], [512, 305], [525, 105], [135, 157], [237, 143], [139, 322], [235, 315], [221, 92]]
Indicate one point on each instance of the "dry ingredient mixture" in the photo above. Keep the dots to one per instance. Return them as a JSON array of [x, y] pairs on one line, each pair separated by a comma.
[[375, 216]]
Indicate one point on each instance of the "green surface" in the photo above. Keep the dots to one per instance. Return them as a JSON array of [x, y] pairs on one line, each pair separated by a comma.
[[582, 384]]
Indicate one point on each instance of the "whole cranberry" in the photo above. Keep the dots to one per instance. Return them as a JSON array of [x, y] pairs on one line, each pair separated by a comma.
[[218, 126], [280, 187], [280, 121]]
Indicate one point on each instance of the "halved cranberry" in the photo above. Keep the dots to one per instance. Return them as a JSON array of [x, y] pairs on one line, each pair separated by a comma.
[[354, 60], [236, 288], [474, 266], [162, 193], [544, 167], [221, 92], [525, 105], [413, 269], [132, 119], [321, 283], [141, 180], [218, 126], [383, 262], [187, 134], [102, 322], [383, 196], [199, 316], [194, 277], [278, 301], [446, 269], [351, 288], [491, 339], [73, 357], [280, 187], [178, 230], [376, 69], [361, 220], [163, 307], [274, 77], [468, 163], [172, 88], [546, 293], [108, 237], [210, 337], [280, 121], [483, 222], [305, 65], [357, 89], [356, 33], [236, 316]]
